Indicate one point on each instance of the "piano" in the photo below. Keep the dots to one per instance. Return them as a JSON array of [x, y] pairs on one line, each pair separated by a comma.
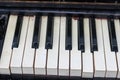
[[60, 39]]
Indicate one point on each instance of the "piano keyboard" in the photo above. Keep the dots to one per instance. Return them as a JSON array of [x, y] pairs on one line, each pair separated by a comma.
[[61, 45]]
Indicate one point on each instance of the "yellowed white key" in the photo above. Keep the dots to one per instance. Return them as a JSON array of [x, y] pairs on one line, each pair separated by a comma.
[[7, 46], [99, 60], [41, 52], [52, 59], [75, 60], [117, 30], [29, 53], [63, 54], [87, 57], [17, 53], [111, 65]]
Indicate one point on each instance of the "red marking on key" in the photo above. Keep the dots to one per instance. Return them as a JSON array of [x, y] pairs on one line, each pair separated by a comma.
[[75, 17]]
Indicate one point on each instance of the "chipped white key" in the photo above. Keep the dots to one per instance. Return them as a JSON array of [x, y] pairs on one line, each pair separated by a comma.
[[29, 53], [117, 30], [41, 52], [17, 53], [87, 55], [52, 60], [99, 60], [75, 60], [7, 46], [63, 54], [111, 66]]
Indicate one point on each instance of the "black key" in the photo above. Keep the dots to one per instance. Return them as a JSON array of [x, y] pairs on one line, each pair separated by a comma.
[[3, 27], [17, 32], [49, 35], [81, 35], [68, 42], [112, 35], [93, 35], [35, 41]]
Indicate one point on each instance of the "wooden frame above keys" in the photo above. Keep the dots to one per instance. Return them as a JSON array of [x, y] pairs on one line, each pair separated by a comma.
[[60, 8]]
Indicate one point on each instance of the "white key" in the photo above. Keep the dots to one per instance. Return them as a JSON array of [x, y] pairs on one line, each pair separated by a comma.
[[29, 53], [87, 55], [17, 54], [111, 66], [52, 60], [117, 30], [7, 47], [75, 67], [99, 60], [63, 54], [41, 52]]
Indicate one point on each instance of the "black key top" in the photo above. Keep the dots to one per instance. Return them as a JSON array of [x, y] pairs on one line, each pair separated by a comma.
[[17, 32], [35, 41], [81, 35], [93, 35], [112, 35], [68, 42], [49, 35]]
